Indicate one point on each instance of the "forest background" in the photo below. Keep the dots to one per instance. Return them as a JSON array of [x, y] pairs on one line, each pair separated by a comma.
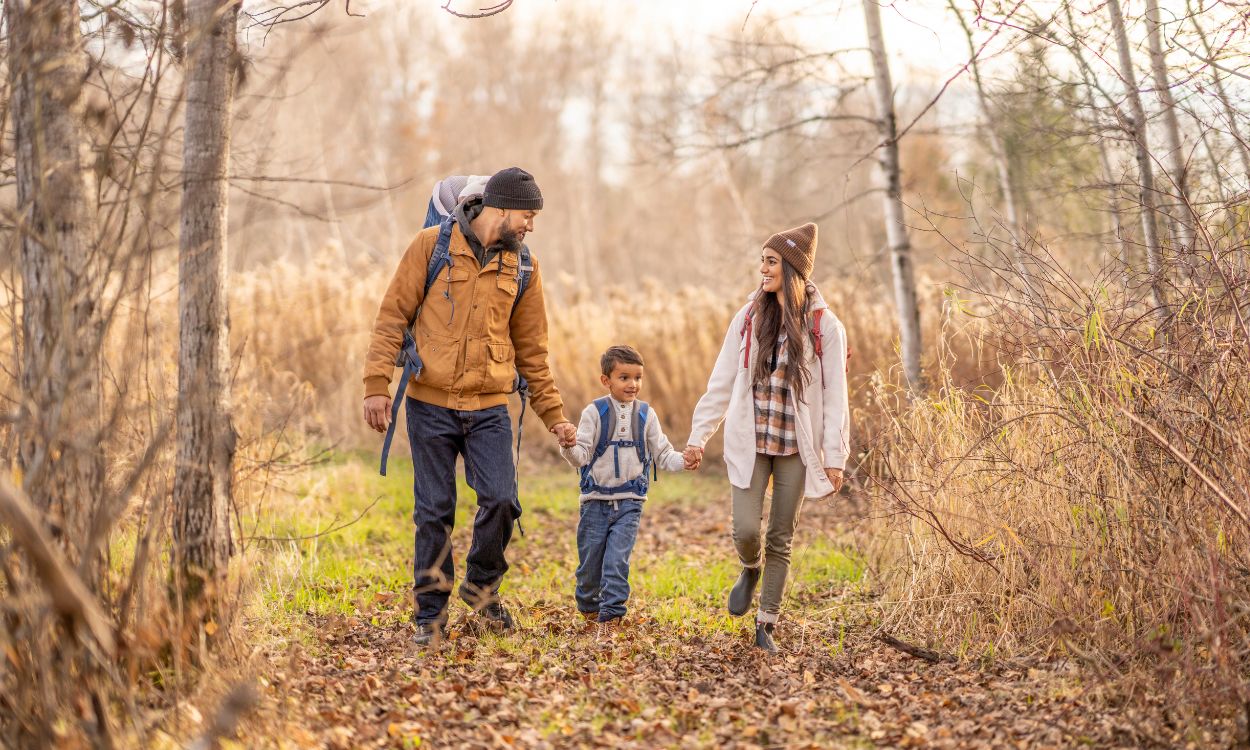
[[1035, 234]]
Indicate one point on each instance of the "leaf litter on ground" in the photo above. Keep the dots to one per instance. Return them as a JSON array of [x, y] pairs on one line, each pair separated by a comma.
[[357, 681]]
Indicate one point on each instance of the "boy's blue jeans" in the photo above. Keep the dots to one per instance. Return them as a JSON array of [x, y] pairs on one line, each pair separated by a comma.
[[484, 438], [606, 533]]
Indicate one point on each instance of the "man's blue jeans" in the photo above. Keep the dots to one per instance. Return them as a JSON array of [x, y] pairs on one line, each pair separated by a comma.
[[484, 438], [606, 533]]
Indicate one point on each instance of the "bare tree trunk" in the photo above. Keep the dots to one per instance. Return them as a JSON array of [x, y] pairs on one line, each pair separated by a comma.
[[1145, 173], [1230, 113], [1179, 212], [1104, 157], [61, 276], [896, 231], [1003, 160], [206, 439]]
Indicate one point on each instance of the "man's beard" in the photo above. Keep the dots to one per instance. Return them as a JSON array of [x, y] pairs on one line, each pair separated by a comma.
[[509, 241]]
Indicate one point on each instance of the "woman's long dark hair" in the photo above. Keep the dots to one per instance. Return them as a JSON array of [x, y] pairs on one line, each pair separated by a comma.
[[785, 309]]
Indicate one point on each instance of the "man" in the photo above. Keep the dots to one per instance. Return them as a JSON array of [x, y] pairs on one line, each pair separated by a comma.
[[473, 334]]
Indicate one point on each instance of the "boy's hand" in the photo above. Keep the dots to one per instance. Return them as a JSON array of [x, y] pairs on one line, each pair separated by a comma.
[[835, 478], [693, 456], [566, 433]]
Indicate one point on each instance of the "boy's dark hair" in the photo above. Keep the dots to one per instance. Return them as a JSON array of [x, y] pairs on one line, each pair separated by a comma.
[[620, 354]]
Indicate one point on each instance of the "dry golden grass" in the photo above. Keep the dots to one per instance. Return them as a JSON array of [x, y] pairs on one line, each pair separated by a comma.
[[302, 332], [1087, 508], [1037, 502]]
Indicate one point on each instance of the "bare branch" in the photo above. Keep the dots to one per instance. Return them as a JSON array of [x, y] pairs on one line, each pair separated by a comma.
[[482, 12], [69, 594]]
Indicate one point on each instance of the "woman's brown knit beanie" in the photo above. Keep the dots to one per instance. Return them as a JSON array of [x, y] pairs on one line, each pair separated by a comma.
[[797, 246]]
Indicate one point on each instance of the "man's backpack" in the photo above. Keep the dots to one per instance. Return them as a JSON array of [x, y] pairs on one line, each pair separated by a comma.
[[441, 212], [639, 484]]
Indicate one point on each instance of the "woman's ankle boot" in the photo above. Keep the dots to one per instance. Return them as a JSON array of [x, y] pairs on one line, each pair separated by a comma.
[[764, 637], [743, 592]]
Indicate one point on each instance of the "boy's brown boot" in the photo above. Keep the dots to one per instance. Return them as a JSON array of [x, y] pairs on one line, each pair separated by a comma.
[[609, 629], [590, 621]]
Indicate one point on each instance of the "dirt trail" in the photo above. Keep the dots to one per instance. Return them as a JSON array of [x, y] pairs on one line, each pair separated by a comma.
[[361, 685]]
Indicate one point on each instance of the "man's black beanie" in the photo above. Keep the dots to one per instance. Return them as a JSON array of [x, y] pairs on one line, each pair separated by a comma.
[[513, 188]]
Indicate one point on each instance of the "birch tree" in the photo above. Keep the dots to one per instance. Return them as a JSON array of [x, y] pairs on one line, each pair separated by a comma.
[[1178, 211], [1145, 169], [1090, 85], [61, 282], [896, 231], [206, 438], [1003, 160], [1221, 95]]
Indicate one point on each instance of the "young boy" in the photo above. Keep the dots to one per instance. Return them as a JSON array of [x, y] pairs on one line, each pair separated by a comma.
[[619, 446]]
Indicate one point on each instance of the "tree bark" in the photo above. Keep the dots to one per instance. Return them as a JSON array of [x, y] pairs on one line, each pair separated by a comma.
[[896, 231], [61, 272], [1177, 208], [206, 438], [1230, 112], [1104, 158], [1003, 159], [1145, 170]]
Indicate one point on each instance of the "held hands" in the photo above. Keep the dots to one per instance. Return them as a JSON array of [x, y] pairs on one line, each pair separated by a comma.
[[835, 478], [378, 412], [693, 456], [566, 433]]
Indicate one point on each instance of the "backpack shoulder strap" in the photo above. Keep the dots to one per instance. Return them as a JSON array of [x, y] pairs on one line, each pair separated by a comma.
[[642, 412], [604, 408], [746, 334], [817, 340], [524, 270], [818, 343], [440, 258]]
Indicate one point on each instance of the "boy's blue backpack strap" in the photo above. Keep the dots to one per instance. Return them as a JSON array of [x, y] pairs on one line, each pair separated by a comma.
[[640, 435], [641, 412], [603, 408]]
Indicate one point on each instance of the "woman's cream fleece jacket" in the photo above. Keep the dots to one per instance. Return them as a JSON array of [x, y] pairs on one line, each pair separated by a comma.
[[823, 416]]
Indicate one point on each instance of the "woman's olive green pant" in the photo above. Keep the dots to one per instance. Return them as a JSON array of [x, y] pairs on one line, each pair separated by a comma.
[[789, 476]]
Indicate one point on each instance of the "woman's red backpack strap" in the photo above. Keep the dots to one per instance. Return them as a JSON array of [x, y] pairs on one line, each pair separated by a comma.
[[817, 339]]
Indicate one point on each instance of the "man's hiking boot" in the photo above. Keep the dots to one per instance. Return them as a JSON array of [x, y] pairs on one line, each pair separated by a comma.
[[764, 637], [590, 621], [487, 607], [743, 592], [427, 634], [497, 617]]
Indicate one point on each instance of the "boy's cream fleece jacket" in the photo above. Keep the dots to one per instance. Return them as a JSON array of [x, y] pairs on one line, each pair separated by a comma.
[[823, 417], [621, 422]]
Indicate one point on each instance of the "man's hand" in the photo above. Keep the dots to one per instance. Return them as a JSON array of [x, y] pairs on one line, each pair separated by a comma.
[[566, 433], [693, 456], [835, 478], [378, 412]]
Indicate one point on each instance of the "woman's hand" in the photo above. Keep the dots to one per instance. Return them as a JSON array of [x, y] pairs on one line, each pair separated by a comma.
[[835, 478], [693, 456]]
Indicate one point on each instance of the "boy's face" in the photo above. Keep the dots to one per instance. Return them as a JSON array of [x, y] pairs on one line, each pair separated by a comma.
[[624, 382]]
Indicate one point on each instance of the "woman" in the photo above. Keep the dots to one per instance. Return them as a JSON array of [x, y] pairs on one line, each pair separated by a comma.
[[779, 385]]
